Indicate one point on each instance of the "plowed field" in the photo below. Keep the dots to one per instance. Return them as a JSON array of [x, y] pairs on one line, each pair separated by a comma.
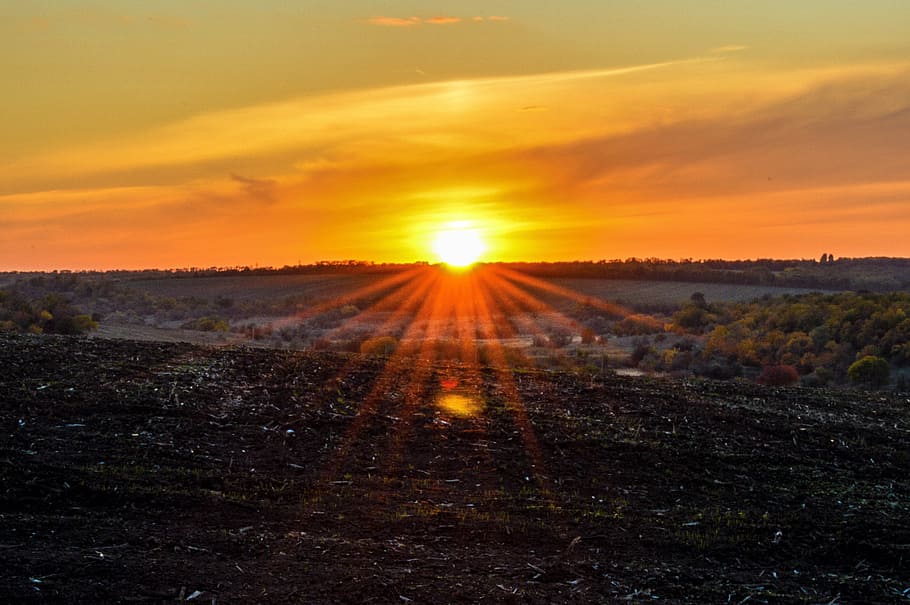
[[151, 472]]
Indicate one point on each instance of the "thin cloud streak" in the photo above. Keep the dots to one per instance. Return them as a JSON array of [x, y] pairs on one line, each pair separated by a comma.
[[730, 48], [395, 21], [443, 20], [406, 22]]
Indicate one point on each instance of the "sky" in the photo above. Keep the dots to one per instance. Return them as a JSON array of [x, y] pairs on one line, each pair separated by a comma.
[[201, 133]]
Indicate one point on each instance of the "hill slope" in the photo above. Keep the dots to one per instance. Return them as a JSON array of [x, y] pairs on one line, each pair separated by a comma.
[[148, 472]]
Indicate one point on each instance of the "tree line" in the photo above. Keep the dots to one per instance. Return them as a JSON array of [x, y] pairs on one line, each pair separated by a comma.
[[874, 274], [814, 338], [878, 274]]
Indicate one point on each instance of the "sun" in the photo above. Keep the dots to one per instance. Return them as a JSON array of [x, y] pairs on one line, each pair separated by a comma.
[[458, 245]]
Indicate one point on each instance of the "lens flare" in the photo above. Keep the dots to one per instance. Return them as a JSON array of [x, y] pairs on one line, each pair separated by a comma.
[[459, 405]]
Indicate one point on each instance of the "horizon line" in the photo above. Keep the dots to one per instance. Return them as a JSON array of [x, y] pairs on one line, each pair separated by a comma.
[[371, 263]]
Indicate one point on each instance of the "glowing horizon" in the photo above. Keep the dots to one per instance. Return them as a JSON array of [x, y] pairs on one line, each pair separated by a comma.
[[730, 134]]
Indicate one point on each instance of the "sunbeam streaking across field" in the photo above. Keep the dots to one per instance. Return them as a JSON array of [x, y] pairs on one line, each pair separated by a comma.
[[447, 341]]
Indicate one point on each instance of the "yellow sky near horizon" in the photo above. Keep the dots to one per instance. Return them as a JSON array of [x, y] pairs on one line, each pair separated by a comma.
[[729, 150]]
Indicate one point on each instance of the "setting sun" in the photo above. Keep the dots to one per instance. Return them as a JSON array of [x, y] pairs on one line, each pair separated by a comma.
[[459, 245]]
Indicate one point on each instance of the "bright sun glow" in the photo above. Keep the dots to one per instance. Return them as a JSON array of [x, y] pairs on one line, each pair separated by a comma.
[[458, 246]]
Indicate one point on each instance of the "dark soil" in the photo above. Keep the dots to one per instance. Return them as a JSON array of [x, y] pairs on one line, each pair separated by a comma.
[[150, 472]]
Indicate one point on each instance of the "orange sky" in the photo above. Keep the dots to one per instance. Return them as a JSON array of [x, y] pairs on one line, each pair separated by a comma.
[[220, 135]]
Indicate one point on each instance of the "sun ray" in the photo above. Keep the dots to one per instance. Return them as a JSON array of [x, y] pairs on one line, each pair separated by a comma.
[[373, 289], [447, 301], [403, 300], [533, 282], [418, 290], [433, 309], [513, 401], [513, 296], [401, 367]]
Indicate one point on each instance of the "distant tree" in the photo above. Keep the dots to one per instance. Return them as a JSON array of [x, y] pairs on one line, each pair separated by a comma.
[[698, 299], [824, 258], [870, 370]]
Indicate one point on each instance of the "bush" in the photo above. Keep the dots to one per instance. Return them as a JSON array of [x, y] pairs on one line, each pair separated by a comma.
[[779, 376], [84, 323], [207, 324], [560, 338], [381, 346], [818, 378], [588, 336], [870, 370], [636, 325], [642, 349], [718, 368], [681, 361], [692, 318]]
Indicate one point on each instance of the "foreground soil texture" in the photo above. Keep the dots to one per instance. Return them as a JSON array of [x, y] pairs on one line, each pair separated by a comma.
[[139, 472]]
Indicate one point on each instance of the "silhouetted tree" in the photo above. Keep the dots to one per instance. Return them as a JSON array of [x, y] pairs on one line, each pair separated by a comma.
[[698, 299]]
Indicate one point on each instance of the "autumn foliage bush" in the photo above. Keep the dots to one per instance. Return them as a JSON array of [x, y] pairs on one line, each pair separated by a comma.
[[779, 376], [870, 370]]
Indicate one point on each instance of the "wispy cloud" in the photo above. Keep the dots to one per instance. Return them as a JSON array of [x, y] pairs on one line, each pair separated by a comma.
[[442, 20], [386, 21], [395, 21], [730, 48], [442, 118]]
